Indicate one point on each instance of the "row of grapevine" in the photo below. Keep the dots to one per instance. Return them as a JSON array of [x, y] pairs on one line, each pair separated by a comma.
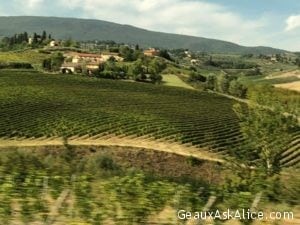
[[36, 106]]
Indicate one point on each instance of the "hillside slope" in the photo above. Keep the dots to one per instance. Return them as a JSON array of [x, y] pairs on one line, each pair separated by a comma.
[[87, 29], [94, 111]]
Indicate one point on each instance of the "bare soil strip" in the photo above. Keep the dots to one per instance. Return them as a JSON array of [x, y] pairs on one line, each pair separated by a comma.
[[169, 147], [293, 73], [295, 86]]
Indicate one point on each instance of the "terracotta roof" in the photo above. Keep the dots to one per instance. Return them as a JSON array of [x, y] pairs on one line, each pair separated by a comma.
[[90, 55]]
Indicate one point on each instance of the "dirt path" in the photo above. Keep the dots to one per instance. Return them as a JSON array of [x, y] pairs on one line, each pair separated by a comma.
[[291, 73], [295, 86], [169, 147], [231, 97]]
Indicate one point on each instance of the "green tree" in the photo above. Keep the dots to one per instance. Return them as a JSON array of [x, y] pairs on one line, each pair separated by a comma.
[[137, 70], [70, 43], [44, 36], [267, 95], [34, 39], [211, 82], [196, 77], [297, 62], [47, 64], [111, 70], [54, 62], [155, 78], [165, 54], [127, 53], [237, 89], [266, 133], [222, 83], [25, 37], [156, 66]]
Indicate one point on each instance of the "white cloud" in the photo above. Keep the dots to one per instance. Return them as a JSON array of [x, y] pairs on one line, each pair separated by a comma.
[[32, 4], [28, 6], [2, 12], [191, 17], [292, 22]]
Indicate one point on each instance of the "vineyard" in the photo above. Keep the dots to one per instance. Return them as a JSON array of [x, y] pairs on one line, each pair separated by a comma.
[[52, 189], [41, 106]]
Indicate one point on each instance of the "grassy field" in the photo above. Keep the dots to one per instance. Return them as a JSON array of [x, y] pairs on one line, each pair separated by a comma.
[[175, 81], [29, 56], [277, 80]]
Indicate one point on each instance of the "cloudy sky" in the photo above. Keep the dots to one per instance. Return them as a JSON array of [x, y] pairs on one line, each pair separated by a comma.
[[273, 23]]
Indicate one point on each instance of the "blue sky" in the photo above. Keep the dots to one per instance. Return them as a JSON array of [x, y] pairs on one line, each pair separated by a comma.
[[274, 23]]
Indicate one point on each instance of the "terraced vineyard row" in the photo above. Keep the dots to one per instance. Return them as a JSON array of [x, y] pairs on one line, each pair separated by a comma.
[[35, 105], [291, 156]]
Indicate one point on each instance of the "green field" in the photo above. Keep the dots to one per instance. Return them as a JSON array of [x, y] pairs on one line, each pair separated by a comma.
[[92, 185], [175, 81], [28, 56], [65, 188], [34, 105]]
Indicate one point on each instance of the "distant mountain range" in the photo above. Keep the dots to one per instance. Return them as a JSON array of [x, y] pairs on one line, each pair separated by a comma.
[[87, 29]]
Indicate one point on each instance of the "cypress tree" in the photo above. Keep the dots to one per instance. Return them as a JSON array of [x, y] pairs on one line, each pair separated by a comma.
[[35, 39], [44, 36]]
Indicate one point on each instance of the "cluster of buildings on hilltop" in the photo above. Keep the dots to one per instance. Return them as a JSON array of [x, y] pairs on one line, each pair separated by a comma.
[[151, 52], [75, 62]]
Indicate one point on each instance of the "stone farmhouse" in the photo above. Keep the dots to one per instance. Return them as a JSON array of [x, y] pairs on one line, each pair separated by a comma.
[[75, 62], [151, 52]]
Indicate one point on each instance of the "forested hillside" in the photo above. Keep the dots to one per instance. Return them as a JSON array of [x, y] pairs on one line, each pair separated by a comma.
[[87, 29]]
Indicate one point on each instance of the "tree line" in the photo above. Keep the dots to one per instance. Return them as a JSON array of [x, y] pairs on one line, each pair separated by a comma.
[[222, 83], [21, 40], [142, 70], [230, 64]]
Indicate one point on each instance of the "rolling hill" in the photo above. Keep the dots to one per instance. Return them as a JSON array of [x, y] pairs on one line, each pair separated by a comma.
[[88, 29], [43, 108]]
